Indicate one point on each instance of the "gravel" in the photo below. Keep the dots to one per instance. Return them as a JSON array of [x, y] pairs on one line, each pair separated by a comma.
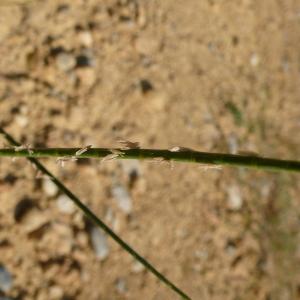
[[99, 243], [6, 280]]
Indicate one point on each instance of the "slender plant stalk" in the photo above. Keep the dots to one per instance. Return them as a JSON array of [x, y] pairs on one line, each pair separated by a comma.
[[214, 159], [90, 214]]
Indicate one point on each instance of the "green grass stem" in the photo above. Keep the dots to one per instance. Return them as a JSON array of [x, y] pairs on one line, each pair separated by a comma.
[[214, 159], [90, 215]]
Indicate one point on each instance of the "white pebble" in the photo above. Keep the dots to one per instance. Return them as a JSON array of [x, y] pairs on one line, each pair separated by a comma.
[[254, 60], [122, 198], [65, 61], [137, 267], [234, 200], [22, 120], [65, 204], [99, 243], [121, 285], [5, 279], [55, 293], [49, 187], [86, 39]]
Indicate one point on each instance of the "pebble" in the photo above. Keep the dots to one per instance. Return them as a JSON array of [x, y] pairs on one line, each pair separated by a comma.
[[122, 198], [254, 60], [55, 293], [99, 243], [6, 280], [86, 76], [85, 59], [233, 143], [65, 61], [22, 208], [85, 38], [234, 200], [65, 205], [34, 220], [137, 267], [145, 86], [121, 285], [49, 187], [22, 121]]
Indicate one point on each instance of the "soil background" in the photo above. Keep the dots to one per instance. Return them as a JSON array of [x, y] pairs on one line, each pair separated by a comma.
[[220, 76]]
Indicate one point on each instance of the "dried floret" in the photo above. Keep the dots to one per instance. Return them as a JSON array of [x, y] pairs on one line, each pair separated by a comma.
[[109, 157], [82, 150], [23, 147], [180, 149]]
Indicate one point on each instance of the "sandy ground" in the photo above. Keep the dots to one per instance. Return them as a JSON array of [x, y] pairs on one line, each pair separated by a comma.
[[209, 75]]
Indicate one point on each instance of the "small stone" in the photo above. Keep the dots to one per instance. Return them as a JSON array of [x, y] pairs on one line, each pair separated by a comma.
[[254, 60], [122, 198], [201, 254], [22, 121], [22, 208], [137, 267], [86, 76], [231, 250], [232, 143], [121, 285], [99, 243], [61, 239], [55, 292], [65, 204], [6, 280], [85, 59], [34, 220], [50, 187], [145, 86], [65, 61], [234, 201], [82, 239], [85, 38]]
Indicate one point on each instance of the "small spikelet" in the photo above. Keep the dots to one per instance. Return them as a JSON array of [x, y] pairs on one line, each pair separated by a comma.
[[180, 149], [19, 148], [23, 147], [82, 150], [114, 154], [109, 157]]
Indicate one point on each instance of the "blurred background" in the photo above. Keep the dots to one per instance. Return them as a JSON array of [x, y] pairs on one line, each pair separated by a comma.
[[219, 76]]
